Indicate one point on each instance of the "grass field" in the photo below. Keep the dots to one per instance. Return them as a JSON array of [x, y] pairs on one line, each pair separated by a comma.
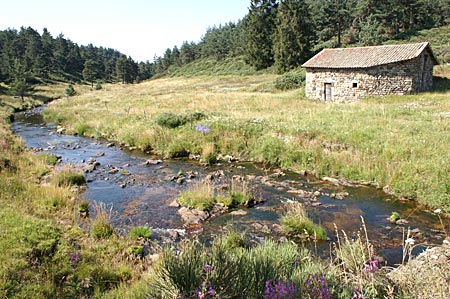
[[398, 142]]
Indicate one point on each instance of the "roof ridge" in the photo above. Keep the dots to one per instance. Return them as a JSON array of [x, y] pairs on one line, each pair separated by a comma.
[[368, 56], [379, 46]]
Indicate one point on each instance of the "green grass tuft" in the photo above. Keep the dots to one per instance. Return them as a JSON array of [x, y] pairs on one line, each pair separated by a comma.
[[69, 177], [297, 223], [140, 232]]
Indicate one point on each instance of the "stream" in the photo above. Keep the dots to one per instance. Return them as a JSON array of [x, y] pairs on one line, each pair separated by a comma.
[[140, 194]]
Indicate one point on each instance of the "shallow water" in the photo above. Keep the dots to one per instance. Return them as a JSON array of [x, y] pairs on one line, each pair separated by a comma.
[[140, 195]]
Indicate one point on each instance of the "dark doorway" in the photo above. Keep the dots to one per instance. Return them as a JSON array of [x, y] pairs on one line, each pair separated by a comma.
[[327, 92]]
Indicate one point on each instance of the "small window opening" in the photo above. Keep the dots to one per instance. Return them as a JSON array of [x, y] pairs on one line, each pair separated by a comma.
[[355, 84]]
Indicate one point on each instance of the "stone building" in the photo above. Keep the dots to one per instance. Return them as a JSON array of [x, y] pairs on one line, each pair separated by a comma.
[[349, 74]]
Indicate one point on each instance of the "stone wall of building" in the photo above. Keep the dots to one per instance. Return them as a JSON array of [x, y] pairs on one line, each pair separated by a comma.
[[348, 85]]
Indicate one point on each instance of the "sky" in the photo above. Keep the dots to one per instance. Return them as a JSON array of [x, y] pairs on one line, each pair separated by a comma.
[[137, 28]]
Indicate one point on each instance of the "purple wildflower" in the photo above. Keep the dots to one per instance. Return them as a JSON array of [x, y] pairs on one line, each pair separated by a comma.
[[75, 258], [317, 288], [279, 290], [207, 268], [202, 129], [371, 266], [357, 294]]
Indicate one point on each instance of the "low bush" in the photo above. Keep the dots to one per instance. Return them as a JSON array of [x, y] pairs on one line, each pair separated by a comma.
[[291, 80], [70, 91], [5, 163], [170, 120]]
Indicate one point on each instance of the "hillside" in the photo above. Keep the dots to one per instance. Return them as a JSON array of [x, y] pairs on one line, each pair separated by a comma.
[[439, 38]]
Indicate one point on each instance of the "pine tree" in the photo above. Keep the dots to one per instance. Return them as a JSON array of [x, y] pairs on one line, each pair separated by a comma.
[[294, 35], [188, 52], [259, 30], [91, 71], [20, 86]]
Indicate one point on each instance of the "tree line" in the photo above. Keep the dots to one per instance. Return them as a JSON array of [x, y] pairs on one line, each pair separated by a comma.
[[285, 33], [44, 57], [275, 33]]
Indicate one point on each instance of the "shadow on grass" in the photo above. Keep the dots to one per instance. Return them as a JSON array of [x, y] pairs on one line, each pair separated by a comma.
[[441, 84], [44, 99], [3, 90]]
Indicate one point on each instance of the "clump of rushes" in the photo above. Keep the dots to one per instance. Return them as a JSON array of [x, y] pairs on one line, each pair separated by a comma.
[[198, 196], [136, 250], [83, 208], [296, 223], [69, 177], [101, 226], [241, 193], [233, 240], [394, 217], [140, 232], [49, 159], [209, 154]]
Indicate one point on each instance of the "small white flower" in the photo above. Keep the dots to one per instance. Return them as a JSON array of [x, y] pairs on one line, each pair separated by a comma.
[[446, 242], [437, 211], [409, 241]]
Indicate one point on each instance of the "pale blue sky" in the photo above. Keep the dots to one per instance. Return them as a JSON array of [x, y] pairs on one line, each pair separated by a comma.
[[137, 28]]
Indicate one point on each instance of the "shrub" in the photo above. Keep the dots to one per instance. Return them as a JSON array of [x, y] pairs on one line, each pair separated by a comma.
[[98, 86], [68, 177], [170, 120], [140, 232], [290, 80], [297, 223], [70, 91], [5, 163]]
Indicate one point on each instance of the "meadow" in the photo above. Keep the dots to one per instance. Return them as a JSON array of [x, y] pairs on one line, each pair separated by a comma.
[[398, 143]]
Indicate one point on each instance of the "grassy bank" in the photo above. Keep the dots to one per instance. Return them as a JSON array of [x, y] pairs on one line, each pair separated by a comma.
[[44, 252], [399, 142]]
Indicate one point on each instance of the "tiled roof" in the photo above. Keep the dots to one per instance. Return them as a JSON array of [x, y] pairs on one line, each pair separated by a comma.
[[364, 57]]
